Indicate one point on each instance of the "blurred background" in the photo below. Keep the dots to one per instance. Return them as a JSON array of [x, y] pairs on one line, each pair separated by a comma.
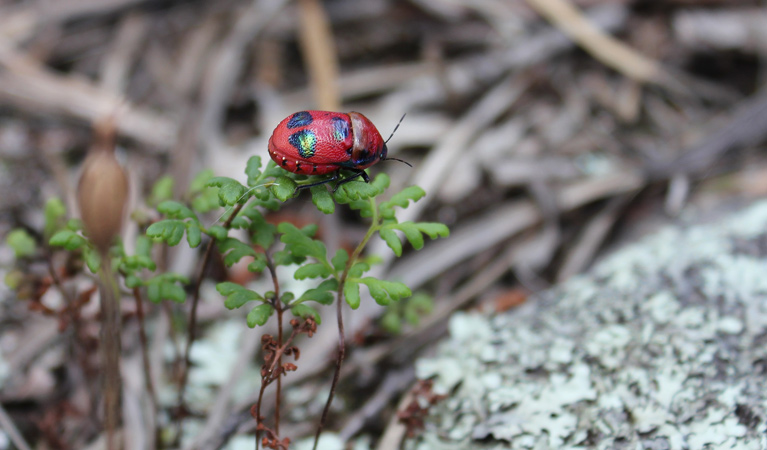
[[545, 132]]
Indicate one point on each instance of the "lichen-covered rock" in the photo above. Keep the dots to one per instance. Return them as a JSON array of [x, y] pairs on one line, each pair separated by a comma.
[[662, 346]]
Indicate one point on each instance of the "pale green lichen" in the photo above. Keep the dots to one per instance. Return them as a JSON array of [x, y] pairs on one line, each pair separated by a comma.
[[661, 346]]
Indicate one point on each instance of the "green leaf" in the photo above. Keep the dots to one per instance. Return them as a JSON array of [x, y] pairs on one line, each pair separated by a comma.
[[175, 210], [385, 291], [92, 259], [236, 295], [287, 297], [55, 212], [306, 311], [310, 230], [161, 190], [193, 234], [172, 291], [340, 259], [205, 201], [299, 244], [166, 287], [74, 224], [13, 279], [363, 206], [259, 315], [200, 182], [239, 223], [323, 200], [22, 243], [234, 250], [153, 292], [323, 294], [356, 190], [67, 239], [217, 232], [253, 170], [391, 322], [283, 188], [286, 258], [352, 293], [358, 269], [259, 264], [230, 191], [263, 232], [433, 229], [132, 281], [313, 270], [263, 194], [381, 181], [403, 198], [143, 246], [412, 233], [169, 230], [392, 240], [418, 305]]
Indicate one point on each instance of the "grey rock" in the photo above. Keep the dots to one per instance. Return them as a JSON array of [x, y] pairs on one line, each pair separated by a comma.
[[661, 346]]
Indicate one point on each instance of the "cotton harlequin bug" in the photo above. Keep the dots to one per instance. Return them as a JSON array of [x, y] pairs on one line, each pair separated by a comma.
[[323, 142]]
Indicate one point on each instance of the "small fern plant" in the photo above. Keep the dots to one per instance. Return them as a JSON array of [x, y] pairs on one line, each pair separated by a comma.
[[242, 231], [338, 277]]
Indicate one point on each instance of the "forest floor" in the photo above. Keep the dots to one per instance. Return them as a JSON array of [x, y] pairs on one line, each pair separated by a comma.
[[543, 135]]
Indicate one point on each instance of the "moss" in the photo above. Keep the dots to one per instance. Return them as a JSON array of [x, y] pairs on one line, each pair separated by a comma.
[[660, 346]]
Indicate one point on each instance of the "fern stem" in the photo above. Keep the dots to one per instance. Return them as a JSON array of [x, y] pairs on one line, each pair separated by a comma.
[[374, 227]]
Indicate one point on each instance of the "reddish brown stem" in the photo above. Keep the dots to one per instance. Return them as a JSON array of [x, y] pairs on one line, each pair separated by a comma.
[[277, 303], [278, 394], [193, 322], [56, 280], [340, 318], [339, 360]]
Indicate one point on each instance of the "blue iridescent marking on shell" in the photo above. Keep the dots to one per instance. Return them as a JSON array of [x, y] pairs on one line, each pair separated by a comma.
[[340, 129], [304, 141], [300, 119]]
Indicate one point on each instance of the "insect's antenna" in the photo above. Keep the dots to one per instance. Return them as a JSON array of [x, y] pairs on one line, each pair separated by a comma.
[[400, 160], [395, 130], [390, 136]]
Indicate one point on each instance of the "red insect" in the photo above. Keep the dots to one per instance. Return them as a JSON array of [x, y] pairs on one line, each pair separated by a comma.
[[323, 142]]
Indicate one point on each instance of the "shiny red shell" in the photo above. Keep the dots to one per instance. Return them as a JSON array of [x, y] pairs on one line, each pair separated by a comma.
[[322, 142]]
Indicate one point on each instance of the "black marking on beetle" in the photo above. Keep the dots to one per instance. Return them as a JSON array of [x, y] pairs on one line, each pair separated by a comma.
[[340, 129], [365, 156], [298, 165], [304, 141], [300, 119], [284, 161], [314, 167]]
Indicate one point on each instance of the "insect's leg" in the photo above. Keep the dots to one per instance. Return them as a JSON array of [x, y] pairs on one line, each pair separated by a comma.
[[358, 173], [319, 183]]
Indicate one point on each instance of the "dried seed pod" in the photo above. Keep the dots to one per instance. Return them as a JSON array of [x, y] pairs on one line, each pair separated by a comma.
[[103, 190]]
